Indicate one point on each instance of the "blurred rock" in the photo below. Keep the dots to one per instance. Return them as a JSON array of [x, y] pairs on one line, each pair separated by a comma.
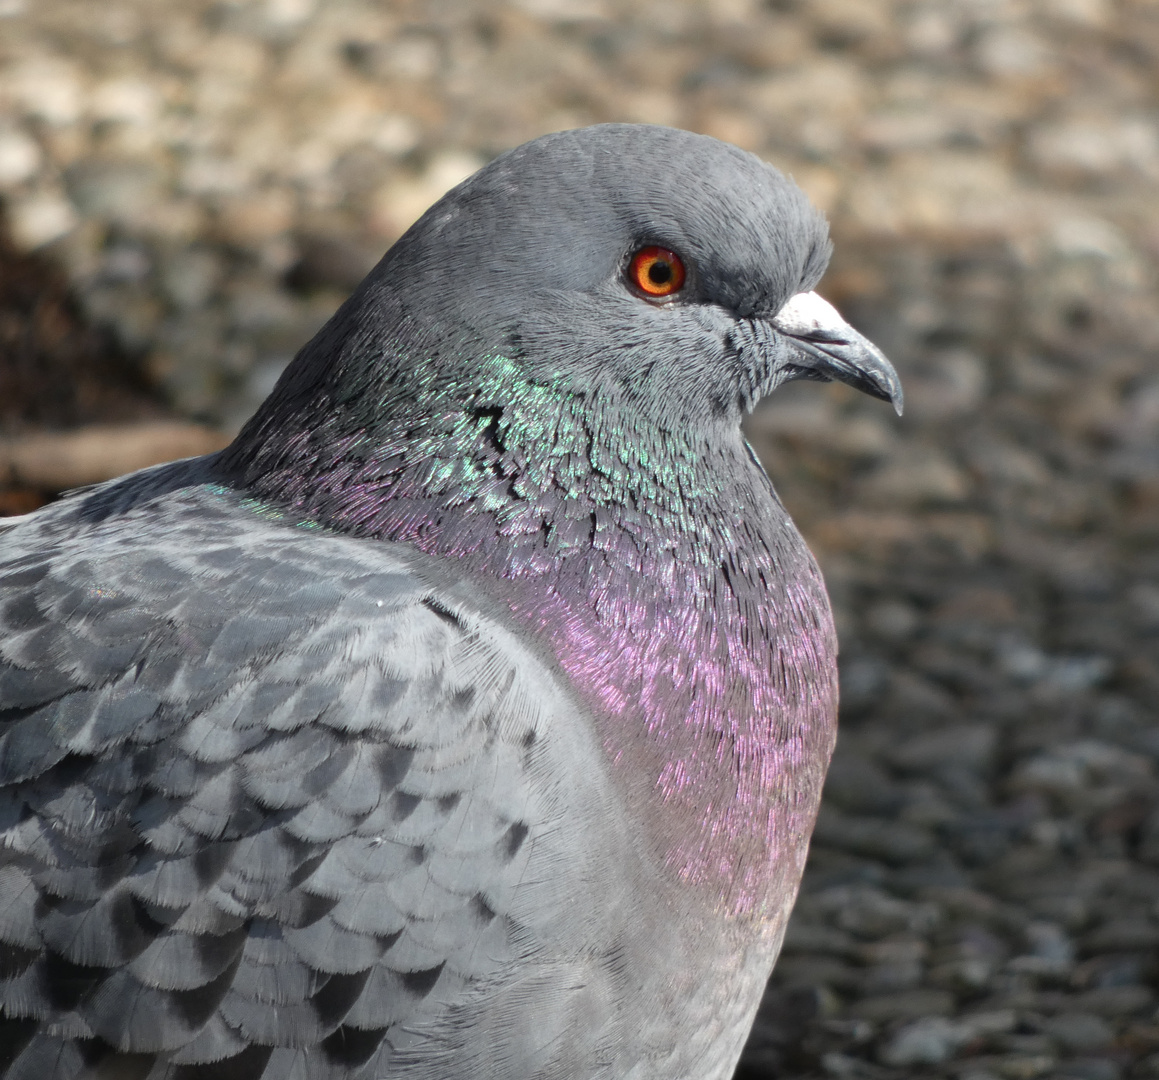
[[1086, 148], [113, 190], [1085, 775], [915, 480], [190, 277], [967, 746], [859, 785], [893, 620], [1080, 1031], [904, 1005], [952, 383], [895, 842], [19, 157], [929, 1041], [39, 218], [932, 1040], [255, 216], [401, 203]]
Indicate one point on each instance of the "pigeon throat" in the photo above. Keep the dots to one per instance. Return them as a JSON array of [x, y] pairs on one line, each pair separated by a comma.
[[674, 592]]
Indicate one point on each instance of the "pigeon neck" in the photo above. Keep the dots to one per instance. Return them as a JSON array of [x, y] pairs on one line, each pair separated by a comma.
[[659, 566]]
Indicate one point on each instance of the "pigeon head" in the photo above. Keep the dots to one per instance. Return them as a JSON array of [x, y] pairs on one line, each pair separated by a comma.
[[559, 241], [651, 269]]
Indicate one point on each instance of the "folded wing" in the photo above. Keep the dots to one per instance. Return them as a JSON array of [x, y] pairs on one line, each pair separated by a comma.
[[272, 804]]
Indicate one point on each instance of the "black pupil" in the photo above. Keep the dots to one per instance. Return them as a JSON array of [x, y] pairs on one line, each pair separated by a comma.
[[659, 273]]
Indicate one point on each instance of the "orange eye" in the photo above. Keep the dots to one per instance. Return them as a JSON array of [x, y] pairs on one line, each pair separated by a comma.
[[656, 272]]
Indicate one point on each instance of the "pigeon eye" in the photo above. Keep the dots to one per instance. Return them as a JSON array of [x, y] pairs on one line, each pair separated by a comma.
[[656, 272]]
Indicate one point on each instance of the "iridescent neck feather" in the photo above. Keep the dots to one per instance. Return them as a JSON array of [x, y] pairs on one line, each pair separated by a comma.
[[673, 588]]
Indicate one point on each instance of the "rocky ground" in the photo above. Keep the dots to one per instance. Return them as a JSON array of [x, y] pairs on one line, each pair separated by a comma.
[[982, 900]]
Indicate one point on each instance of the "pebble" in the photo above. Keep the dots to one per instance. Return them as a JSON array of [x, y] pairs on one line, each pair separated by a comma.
[[20, 158], [928, 1041], [113, 190], [968, 746], [1091, 1069], [894, 842], [40, 218], [903, 1005], [922, 480], [1080, 1031]]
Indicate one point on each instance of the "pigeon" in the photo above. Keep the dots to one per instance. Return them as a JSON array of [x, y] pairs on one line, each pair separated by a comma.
[[467, 716]]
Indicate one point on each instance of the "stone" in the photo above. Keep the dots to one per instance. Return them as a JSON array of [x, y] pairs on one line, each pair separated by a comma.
[[969, 746], [909, 129], [894, 950], [926, 806], [1082, 148], [40, 218], [915, 481], [891, 977], [1122, 934], [1087, 774], [47, 87], [190, 277], [862, 682], [973, 617], [934, 1039], [869, 912], [1116, 1001], [256, 307], [939, 192], [989, 1023], [113, 190], [402, 202], [1093, 1068], [127, 100], [784, 1019], [205, 174], [1051, 951], [914, 698], [857, 784], [905, 1005], [1005, 463], [952, 383], [893, 842], [794, 971], [58, 461], [1080, 1031], [1024, 1066], [893, 620], [1009, 51], [820, 424], [19, 157], [928, 1041], [256, 216]]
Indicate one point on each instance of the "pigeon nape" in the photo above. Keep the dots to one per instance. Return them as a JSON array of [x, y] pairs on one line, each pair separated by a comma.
[[468, 715]]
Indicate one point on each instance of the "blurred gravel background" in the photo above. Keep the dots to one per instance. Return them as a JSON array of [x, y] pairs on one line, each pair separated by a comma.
[[191, 187]]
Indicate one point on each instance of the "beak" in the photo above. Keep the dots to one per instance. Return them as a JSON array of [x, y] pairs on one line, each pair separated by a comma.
[[829, 348]]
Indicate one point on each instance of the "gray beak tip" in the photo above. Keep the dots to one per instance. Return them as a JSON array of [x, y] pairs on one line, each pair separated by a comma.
[[892, 390]]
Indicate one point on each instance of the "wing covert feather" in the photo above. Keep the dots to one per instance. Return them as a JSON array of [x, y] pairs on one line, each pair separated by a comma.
[[267, 801]]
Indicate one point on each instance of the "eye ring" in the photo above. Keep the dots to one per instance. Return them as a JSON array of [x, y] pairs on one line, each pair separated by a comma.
[[656, 273]]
